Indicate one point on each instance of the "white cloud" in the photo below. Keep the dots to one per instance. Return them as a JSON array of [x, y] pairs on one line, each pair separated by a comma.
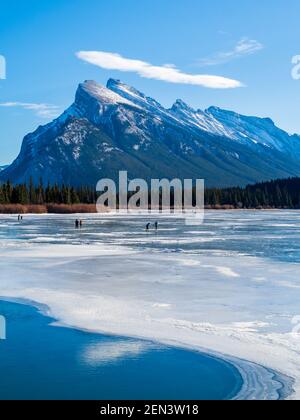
[[41, 110], [244, 47], [167, 73]]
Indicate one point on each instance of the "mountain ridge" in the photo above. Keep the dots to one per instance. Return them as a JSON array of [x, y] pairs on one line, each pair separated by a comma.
[[113, 128]]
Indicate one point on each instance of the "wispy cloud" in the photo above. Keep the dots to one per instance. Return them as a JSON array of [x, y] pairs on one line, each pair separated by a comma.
[[244, 47], [41, 110], [167, 73]]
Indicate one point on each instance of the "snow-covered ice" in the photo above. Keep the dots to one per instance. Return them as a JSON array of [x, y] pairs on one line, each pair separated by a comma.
[[228, 287]]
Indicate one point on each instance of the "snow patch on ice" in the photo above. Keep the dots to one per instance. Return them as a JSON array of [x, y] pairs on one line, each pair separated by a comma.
[[227, 271]]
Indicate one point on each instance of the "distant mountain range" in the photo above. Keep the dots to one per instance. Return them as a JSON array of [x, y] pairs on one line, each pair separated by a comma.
[[113, 128]]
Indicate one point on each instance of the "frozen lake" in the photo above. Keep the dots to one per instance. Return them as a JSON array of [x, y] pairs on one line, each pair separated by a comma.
[[229, 287]]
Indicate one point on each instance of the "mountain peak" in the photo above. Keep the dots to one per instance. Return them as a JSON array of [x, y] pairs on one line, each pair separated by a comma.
[[100, 93], [112, 82], [124, 90], [133, 95], [182, 106]]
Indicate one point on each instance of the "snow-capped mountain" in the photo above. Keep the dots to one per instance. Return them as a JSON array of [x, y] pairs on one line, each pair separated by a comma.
[[113, 128]]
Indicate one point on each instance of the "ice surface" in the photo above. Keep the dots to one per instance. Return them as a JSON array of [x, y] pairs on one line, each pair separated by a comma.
[[228, 286]]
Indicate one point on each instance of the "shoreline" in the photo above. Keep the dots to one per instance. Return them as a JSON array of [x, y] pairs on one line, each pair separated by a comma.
[[258, 382], [90, 209]]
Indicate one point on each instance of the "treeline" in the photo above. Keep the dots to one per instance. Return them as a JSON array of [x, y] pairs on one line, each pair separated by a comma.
[[273, 194], [39, 195]]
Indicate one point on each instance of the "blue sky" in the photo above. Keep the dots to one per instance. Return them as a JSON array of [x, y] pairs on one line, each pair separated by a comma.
[[249, 43]]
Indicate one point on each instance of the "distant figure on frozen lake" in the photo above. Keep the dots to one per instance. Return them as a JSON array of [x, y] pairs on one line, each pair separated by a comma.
[[156, 225], [148, 226], [81, 223], [76, 223]]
